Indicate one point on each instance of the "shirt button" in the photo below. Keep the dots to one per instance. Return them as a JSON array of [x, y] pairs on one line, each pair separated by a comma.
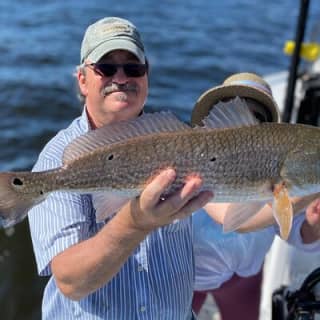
[[140, 268], [143, 309]]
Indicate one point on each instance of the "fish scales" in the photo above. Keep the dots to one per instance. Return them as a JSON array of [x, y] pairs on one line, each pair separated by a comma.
[[226, 158]]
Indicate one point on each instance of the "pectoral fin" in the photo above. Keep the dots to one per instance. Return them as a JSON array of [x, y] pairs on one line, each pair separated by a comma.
[[238, 213], [282, 209], [107, 203]]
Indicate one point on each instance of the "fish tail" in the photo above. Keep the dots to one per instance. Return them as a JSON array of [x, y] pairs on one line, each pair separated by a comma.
[[15, 202]]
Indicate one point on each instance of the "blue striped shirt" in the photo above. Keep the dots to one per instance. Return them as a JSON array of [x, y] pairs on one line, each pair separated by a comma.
[[157, 280]]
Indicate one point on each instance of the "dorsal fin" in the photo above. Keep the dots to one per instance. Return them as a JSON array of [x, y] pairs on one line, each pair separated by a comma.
[[234, 113], [147, 123]]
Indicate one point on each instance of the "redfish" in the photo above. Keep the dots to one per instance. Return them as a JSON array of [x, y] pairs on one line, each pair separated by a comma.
[[246, 162]]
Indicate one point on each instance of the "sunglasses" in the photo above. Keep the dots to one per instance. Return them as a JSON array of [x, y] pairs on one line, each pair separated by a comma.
[[134, 70]]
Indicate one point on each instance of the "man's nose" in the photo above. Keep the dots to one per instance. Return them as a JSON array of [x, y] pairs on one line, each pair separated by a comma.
[[120, 76]]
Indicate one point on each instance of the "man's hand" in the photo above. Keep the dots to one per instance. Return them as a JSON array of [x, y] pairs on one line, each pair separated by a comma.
[[310, 229], [149, 212]]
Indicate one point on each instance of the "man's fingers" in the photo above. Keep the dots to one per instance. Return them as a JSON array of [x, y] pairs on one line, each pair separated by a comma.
[[317, 206], [153, 191], [194, 204], [179, 199], [314, 209]]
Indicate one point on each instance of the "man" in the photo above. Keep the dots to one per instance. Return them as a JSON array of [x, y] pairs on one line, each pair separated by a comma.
[[139, 263]]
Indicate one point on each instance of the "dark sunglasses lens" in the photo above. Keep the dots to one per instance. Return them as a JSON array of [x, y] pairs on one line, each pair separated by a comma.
[[130, 69], [108, 70], [135, 70]]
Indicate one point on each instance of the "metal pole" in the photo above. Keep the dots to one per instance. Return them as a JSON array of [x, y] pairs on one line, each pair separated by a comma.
[[304, 6]]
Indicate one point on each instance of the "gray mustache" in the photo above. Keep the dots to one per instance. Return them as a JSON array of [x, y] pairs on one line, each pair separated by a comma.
[[113, 87]]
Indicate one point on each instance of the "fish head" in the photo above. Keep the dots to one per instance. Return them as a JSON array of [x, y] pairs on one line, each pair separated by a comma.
[[301, 168]]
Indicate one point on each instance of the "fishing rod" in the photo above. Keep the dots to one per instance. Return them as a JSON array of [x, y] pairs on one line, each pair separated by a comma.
[[289, 101]]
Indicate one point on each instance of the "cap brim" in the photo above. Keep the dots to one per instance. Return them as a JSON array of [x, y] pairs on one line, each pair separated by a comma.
[[212, 96], [116, 44]]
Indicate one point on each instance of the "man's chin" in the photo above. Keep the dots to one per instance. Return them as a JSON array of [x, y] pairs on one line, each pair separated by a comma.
[[121, 105], [125, 114]]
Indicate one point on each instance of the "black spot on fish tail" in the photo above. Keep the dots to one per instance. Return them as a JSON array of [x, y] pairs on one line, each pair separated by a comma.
[[17, 182]]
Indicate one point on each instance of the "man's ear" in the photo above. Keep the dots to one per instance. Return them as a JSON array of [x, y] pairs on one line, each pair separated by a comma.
[[82, 82]]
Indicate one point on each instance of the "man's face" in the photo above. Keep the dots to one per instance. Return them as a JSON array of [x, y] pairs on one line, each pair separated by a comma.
[[113, 98]]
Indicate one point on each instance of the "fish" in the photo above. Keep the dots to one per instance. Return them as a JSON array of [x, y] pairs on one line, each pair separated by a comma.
[[240, 160]]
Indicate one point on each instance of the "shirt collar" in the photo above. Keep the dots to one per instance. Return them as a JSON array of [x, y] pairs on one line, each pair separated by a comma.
[[84, 120]]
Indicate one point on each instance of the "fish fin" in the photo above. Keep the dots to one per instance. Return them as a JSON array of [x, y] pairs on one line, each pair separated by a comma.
[[239, 213], [14, 205], [107, 204], [147, 123], [282, 209], [234, 113]]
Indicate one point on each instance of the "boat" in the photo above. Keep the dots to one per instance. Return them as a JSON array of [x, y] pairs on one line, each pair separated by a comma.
[[291, 287]]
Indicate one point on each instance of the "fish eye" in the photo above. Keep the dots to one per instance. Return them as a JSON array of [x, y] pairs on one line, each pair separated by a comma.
[[17, 182], [110, 157]]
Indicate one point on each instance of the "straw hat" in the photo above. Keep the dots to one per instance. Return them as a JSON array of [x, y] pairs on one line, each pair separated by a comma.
[[244, 85]]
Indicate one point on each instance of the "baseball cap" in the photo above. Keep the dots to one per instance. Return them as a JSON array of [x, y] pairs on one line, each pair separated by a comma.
[[108, 34]]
